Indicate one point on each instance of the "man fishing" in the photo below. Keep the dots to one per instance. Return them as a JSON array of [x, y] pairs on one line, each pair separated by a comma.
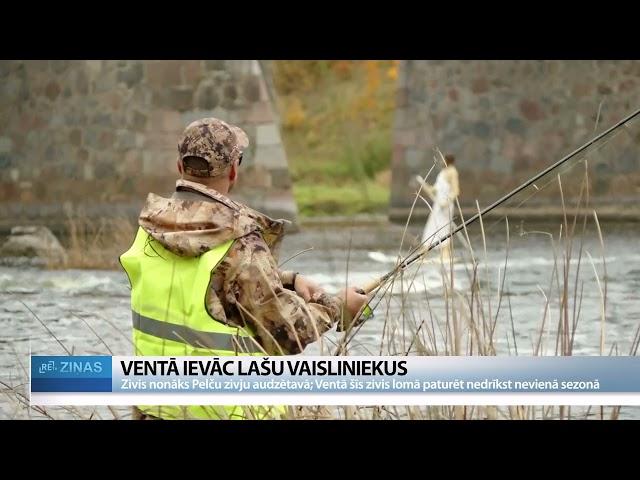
[[443, 195], [203, 270], [421, 250]]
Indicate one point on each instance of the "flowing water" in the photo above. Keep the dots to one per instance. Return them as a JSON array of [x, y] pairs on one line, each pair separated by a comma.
[[88, 312]]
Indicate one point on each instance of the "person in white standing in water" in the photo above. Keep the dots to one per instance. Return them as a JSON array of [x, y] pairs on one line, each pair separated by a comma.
[[443, 195]]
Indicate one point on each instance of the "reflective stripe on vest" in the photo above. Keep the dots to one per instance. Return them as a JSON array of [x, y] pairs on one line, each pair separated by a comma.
[[204, 340], [170, 317]]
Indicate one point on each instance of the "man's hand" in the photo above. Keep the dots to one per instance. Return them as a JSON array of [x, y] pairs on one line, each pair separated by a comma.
[[352, 301], [306, 288]]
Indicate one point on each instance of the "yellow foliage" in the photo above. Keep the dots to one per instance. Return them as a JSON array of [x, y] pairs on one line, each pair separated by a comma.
[[295, 115], [392, 72], [292, 76], [342, 68], [336, 119], [373, 75]]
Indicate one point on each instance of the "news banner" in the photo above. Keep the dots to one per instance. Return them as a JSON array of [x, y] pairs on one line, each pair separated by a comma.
[[322, 380]]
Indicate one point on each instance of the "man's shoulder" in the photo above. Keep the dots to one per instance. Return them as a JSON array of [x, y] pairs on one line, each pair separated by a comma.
[[248, 256], [252, 242], [451, 172]]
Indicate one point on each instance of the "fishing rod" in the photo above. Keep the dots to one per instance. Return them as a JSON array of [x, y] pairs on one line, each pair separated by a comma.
[[419, 252]]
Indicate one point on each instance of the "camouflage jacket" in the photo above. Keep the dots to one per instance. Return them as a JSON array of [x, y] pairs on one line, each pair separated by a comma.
[[247, 288]]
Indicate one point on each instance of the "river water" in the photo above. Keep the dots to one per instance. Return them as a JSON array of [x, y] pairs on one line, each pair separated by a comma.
[[87, 311]]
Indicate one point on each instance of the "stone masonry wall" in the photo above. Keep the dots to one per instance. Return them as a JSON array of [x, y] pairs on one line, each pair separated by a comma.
[[99, 135], [506, 120]]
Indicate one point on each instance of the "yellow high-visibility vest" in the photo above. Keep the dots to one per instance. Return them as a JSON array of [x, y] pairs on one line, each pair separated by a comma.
[[170, 318]]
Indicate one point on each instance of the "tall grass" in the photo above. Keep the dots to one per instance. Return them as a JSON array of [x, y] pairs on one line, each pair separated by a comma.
[[473, 318], [94, 243], [472, 315]]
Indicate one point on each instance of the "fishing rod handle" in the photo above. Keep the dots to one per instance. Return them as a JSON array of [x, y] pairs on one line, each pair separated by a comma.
[[372, 285]]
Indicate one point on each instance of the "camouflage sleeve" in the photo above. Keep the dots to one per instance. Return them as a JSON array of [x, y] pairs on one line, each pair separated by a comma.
[[284, 323]]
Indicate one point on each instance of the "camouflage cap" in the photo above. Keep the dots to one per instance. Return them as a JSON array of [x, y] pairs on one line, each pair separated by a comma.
[[219, 143]]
